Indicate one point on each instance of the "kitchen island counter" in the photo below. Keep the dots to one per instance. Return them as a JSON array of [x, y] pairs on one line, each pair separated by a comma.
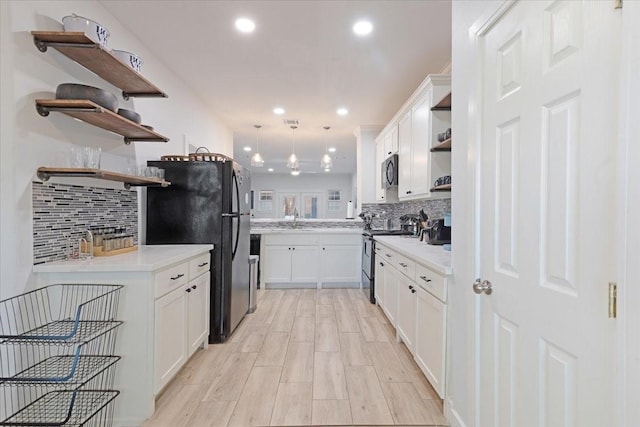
[[432, 256], [307, 230]]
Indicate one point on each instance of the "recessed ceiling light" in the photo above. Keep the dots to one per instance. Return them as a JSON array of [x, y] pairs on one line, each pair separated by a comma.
[[278, 110], [247, 149], [332, 149], [270, 169], [362, 28], [245, 25], [342, 111]]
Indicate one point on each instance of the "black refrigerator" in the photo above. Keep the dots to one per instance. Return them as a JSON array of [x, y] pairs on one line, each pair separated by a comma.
[[208, 202]]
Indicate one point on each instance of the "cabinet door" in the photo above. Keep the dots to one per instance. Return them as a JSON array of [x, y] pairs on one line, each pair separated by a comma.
[[406, 324], [340, 263], [379, 282], [388, 149], [379, 159], [404, 157], [304, 264], [394, 140], [198, 312], [430, 342], [170, 332], [420, 154], [391, 293], [277, 264]]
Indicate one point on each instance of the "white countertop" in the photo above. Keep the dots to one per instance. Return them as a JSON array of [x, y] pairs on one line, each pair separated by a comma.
[[327, 230], [432, 256], [308, 220], [146, 258]]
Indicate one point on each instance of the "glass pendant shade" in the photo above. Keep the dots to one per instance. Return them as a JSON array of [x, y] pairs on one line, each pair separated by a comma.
[[256, 160], [292, 161], [325, 162], [295, 171]]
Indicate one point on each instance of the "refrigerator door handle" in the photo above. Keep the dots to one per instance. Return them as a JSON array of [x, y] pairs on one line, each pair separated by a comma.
[[236, 215], [231, 215]]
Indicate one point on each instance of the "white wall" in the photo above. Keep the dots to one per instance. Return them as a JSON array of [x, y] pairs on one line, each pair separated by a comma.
[[366, 164], [303, 183], [28, 141], [461, 386]]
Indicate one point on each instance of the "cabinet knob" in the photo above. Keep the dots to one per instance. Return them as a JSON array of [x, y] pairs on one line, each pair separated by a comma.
[[324, 249], [188, 289], [410, 287], [413, 291], [194, 287], [381, 265], [409, 192]]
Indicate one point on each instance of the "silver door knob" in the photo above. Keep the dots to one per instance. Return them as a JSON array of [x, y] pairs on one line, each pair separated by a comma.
[[480, 286]]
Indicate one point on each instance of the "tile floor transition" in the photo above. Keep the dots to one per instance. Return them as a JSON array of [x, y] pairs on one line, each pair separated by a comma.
[[305, 357]]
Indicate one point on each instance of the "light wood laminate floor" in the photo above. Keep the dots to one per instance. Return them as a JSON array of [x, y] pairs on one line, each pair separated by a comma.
[[305, 357]]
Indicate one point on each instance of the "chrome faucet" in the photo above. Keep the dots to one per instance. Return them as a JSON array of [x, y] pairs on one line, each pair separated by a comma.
[[295, 217], [85, 251]]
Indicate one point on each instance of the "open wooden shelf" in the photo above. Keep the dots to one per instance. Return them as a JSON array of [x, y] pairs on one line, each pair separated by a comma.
[[94, 57], [44, 173], [445, 187], [444, 104], [92, 113], [442, 146]]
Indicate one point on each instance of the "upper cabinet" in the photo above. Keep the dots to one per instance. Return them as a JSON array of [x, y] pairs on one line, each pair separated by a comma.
[[422, 158], [386, 146]]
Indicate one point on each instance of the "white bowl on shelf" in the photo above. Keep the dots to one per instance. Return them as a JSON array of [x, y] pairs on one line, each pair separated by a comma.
[[93, 30], [131, 59]]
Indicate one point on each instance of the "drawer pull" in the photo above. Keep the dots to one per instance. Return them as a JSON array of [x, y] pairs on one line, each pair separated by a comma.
[[425, 279], [410, 287], [381, 265], [177, 277], [194, 287], [188, 289], [403, 265], [413, 291], [203, 264], [387, 255]]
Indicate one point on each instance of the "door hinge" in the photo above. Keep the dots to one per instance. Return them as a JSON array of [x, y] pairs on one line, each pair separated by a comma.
[[613, 300], [617, 4]]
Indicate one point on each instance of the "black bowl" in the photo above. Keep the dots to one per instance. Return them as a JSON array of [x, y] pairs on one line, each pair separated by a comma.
[[78, 91], [130, 114], [147, 126]]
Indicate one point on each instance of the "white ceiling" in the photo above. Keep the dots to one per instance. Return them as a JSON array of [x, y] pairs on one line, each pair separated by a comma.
[[304, 57]]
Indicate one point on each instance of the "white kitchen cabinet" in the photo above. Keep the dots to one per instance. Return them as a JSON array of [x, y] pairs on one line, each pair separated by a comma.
[[198, 312], [379, 283], [391, 141], [420, 148], [430, 344], [338, 264], [171, 345], [391, 294], [389, 195], [156, 335], [404, 156], [302, 258], [406, 318], [304, 264]]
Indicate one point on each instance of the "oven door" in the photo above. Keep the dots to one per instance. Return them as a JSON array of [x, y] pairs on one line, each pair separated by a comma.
[[367, 279]]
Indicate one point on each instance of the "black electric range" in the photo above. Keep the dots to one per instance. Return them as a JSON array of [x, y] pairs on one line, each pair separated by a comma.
[[368, 259]]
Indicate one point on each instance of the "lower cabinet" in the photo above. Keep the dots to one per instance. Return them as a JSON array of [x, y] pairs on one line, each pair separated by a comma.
[[413, 298], [198, 312], [430, 345], [298, 257], [406, 318]]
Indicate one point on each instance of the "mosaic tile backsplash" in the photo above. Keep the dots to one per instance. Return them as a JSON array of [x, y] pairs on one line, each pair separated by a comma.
[[433, 208], [61, 213]]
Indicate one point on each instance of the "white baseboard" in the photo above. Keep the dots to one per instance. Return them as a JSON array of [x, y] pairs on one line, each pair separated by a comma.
[[455, 420]]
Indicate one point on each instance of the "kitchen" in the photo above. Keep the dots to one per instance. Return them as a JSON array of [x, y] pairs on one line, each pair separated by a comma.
[[30, 141]]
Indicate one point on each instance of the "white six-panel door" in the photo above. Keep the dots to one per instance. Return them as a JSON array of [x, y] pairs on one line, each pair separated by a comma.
[[546, 224]]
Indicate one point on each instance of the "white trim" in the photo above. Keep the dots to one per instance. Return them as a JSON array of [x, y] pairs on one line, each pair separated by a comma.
[[455, 420], [627, 387], [446, 69]]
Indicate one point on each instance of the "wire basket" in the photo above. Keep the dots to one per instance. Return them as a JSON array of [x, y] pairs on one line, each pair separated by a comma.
[[60, 314], [67, 408], [57, 362]]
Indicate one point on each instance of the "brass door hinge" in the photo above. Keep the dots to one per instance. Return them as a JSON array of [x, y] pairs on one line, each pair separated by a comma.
[[617, 4], [613, 300]]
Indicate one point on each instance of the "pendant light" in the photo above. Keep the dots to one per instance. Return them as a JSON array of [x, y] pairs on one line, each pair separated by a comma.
[[256, 160], [292, 161], [326, 163]]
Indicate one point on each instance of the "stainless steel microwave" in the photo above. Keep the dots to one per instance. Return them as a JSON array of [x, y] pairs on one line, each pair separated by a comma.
[[390, 172]]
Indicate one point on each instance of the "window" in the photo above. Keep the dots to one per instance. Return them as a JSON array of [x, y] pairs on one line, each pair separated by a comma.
[[334, 201], [265, 203]]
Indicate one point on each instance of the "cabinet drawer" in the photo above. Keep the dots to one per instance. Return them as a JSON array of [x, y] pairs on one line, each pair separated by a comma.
[[171, 278], [291, 239], [340, 239], [387, 255], [431, 282], [405, 266], [199, 265]]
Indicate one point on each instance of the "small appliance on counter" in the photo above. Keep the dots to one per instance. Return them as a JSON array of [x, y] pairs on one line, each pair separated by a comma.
[[410, 224], [437, 233]]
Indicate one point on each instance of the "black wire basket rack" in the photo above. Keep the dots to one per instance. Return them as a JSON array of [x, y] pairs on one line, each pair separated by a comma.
[[57, 356]]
